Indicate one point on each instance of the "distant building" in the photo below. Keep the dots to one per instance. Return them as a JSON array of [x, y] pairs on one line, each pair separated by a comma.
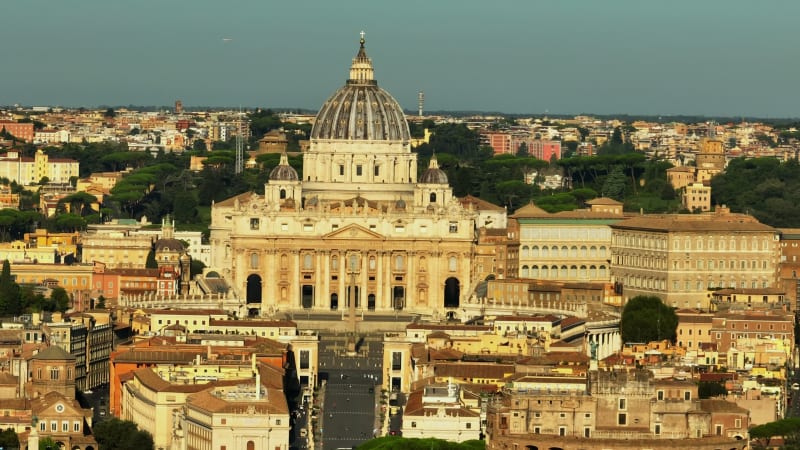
[[21, 131]]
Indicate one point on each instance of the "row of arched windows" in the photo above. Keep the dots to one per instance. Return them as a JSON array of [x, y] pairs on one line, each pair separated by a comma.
[[563, 251], [564, 272]]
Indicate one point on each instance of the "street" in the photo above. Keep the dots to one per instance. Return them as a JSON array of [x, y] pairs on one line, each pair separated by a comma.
[[348, 414]]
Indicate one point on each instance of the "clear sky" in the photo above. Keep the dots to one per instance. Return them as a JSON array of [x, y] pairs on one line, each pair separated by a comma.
[[659, 57]]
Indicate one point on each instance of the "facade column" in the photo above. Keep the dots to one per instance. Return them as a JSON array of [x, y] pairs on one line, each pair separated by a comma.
[[294, 281], [410, 274]]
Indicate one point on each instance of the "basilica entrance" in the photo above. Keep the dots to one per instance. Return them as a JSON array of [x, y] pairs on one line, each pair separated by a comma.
[[398, 297], [452, 293], [254, 289], [307, 296]]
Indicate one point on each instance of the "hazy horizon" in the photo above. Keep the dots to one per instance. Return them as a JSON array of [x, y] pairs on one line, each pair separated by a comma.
[[621, 57]]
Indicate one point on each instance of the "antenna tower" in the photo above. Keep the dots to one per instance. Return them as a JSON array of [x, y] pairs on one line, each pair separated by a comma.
[[239, 143], [420, 102]]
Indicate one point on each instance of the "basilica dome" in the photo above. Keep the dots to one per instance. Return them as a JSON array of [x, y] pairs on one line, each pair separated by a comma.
[[360, 110]]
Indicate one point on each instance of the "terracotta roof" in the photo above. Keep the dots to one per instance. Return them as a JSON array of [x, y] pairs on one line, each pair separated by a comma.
[[474, 370], [274, 402], [252, 323], [603, 201], [54, 352], [150, 379], [530, 211], [446, 354], [479, 205], [158, 356], [424, 326], [721, 406], [693, 222], [244, 197]]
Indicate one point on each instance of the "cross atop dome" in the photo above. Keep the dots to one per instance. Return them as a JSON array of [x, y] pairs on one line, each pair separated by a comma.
[[362, 38]]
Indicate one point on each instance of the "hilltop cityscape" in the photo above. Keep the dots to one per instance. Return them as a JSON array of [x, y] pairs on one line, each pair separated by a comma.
[[365, 276]]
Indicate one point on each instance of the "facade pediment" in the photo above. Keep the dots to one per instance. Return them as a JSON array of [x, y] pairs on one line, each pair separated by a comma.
[[353, 232]]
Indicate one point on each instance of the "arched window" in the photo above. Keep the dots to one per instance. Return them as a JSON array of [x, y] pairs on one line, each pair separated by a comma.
[[535, 272], [372, 263], [283, 194], [254, 260], [545, 272], [564, 272], [573, 272], [535, 251], [593, 251], [525, 251], [433, 197], [525, 272], [284, 261], [573, 251], [583, 250]]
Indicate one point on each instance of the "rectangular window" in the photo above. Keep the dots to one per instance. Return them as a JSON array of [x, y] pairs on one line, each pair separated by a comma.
[[657, 429], [42, 426], [622, 404], [413, 424], [718, 430], [587, 432], [358, 170], [622, 419], [341, 170], [308, 227], [284, 227], [53, 374], [305, 356], [660, 395], [469, 425], [376, 170], [537, 430], [54, 426], [254, 223], [65, 426], [454, 227], [397, 360], [562, 431], [687, 395]]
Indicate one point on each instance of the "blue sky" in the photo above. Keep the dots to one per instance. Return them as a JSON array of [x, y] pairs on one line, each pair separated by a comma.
[[711, 57]]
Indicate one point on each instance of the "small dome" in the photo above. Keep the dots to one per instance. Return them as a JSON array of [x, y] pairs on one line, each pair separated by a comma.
[[169, 245], [283, 171], [360, 110], [400, 204], [433, 174]]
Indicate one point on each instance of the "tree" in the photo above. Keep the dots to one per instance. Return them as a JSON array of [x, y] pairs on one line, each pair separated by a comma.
[[59, 298], [646, 319], [522, 150], [9, 439], [110, 113], [711, 389], [47, 443], [115, 434], [614, 186], [9, 292]]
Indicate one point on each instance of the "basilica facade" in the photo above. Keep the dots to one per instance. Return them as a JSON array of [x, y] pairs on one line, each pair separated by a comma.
[[358, 224]]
